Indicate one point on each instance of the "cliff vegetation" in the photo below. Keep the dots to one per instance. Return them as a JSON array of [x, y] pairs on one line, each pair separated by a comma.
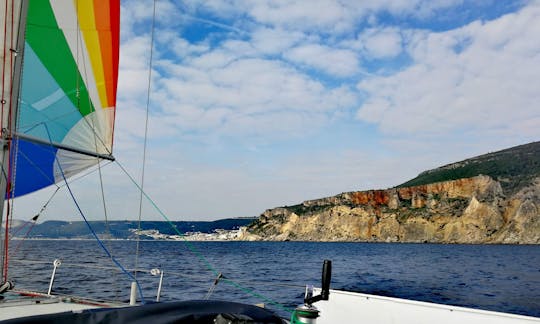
[[493, 198]]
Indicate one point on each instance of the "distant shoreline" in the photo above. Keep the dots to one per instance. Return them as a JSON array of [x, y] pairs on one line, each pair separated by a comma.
[[269, 241]]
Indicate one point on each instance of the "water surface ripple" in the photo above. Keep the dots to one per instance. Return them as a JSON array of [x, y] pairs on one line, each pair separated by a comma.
[[493, 277]]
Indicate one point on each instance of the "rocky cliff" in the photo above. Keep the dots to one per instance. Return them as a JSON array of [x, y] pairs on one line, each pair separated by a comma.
[[468, 210]]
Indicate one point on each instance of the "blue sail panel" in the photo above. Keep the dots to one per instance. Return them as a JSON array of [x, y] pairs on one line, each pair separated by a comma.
[[33, 166]]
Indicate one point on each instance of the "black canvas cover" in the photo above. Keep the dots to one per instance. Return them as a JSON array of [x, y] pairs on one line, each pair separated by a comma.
[[194, 311]]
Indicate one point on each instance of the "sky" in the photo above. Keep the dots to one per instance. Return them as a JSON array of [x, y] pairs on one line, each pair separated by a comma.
[[260, 104]]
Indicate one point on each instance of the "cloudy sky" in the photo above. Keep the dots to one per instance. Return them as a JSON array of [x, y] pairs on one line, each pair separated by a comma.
[[259, 104]]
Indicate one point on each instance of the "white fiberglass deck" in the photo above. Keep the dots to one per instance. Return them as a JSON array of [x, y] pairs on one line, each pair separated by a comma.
[[349, 307], [16, 305]]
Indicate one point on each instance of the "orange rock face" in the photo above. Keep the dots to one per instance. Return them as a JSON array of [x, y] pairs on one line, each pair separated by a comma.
[[418, 195], [472, 210], [372, 197]]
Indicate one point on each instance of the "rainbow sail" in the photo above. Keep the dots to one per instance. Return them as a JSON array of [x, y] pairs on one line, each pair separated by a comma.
[[67, 96]]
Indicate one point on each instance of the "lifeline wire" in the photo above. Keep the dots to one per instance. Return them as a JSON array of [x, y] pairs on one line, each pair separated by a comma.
[[90, 227], [198, 254]]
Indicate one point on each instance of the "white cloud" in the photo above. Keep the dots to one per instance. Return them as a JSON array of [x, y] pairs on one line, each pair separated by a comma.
[[275, 41], [240, 48], [381, 43], [335, 62], [327, 16], [214, 59], [248, 96], [317, 14], [483, 77], [180, 47], [137, 13], [134, 53]]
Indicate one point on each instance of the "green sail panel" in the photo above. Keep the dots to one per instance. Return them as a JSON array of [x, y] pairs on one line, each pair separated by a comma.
[[50, 45]]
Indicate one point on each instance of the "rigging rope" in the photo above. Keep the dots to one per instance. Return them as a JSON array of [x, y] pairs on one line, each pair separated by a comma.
[[107, 228], [90, 226], [6, 151], [16, 248], [10, 183], [97, 238], [198, 254], [35, 217], [81, 175], [145, 134], [213, 287], [4, 66]]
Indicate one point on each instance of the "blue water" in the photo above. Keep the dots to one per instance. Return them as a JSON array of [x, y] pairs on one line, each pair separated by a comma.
[[493, 277]]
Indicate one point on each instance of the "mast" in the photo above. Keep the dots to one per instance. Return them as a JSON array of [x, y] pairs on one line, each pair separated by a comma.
[[12, 25]]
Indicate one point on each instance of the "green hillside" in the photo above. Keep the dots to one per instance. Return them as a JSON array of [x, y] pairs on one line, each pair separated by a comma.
[[514, 168]]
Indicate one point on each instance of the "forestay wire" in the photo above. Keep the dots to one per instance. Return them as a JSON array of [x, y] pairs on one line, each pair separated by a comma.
[[145, 134]]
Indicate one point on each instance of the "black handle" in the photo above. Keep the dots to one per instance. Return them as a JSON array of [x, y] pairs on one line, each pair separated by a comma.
[[326, 278], [325, 284]]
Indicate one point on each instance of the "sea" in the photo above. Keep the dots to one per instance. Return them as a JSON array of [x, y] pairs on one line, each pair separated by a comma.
[[503, 278]]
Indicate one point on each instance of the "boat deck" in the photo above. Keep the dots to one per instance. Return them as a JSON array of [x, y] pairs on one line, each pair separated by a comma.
[[19, 303], [348, 307]]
